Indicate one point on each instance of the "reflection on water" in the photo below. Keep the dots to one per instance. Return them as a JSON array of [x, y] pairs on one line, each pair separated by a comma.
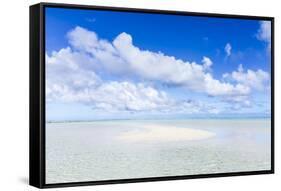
[[89, 151]]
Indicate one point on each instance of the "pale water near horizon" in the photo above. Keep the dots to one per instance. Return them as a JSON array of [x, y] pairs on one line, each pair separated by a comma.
[[91, 151]]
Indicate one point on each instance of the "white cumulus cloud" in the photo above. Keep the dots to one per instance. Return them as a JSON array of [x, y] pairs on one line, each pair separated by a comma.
[[227, 49], [258, 79], [264, 33], [207, 62], [123, 57], [75, 74], [70, 80]]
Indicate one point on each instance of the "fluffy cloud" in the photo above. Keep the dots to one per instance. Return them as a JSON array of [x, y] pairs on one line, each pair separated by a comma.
[[253, 80], [207, 63], [264, 33], [75, 74], [70, 80], [129, 96], [123, 57], [216, 88], [227, 49], [114, 96], [257, 80], [65, 69]]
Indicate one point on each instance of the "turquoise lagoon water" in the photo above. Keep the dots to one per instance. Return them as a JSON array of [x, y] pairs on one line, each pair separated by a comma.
[[89, 151]]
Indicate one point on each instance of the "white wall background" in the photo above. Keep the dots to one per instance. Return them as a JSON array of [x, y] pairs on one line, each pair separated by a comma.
[[14, 72]]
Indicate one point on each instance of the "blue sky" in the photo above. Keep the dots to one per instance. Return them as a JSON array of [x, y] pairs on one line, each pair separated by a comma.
[[141, 65]]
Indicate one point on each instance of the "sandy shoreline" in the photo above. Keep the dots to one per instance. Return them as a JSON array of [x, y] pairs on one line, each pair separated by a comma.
[[157, 133]]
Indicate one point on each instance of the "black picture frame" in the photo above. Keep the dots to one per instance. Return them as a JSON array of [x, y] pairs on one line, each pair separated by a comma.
[[37, 95]]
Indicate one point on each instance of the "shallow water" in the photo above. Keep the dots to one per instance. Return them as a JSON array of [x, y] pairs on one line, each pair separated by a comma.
[[89, 151]]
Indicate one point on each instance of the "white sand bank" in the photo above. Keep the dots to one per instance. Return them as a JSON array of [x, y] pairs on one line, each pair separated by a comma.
[[156, 133]]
